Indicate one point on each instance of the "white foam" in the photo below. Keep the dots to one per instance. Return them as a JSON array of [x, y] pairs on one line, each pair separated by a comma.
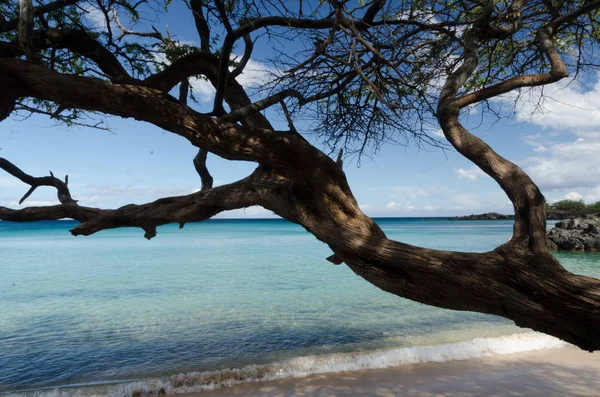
[[303, 366]]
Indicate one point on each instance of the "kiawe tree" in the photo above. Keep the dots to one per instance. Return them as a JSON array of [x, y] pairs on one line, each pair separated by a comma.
[[366, 72]]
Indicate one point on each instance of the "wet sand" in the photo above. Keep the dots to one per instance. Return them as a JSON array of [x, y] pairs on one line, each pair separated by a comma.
[[564, 371]]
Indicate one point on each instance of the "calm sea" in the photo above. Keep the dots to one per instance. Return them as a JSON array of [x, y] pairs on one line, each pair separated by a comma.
[[222, 302]]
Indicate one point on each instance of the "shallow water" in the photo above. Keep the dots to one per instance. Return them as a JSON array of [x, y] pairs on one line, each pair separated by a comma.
[[221, 294]]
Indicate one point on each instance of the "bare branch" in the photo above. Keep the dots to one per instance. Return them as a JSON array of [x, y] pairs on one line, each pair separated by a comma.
[[245, 58], [201, 24], [62, 190], [200, 164], [41, 10], [184, 89], [242, 113], [126, 32], [26, 11]]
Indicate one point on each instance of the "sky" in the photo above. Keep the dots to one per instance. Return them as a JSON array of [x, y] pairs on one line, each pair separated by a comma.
[[559, 147]]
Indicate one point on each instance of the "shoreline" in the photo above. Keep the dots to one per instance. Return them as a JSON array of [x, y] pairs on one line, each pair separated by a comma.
[[565, 371], [399, 359]]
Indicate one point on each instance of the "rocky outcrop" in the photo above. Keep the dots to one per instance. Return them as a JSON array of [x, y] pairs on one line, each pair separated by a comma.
[[490, 216], [581, 234]]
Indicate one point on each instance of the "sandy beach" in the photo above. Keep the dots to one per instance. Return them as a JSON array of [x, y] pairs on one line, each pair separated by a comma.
[[564, 371]]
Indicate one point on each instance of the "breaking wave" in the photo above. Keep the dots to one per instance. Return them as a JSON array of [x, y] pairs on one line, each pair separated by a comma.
[[308, 365]]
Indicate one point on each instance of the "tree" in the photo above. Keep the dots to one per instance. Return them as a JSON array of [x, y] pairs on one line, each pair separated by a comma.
[[368, 72], [569, 205], [595, 207]]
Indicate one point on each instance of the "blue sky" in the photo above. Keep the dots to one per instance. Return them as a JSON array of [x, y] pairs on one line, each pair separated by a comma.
[[137, 162]]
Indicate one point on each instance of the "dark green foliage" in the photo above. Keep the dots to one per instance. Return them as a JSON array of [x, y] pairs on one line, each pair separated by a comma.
[[595, 207], [569, 205]]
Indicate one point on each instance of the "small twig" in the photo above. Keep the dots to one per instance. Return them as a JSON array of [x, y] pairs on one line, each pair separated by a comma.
[[288, 117], [339, 160]]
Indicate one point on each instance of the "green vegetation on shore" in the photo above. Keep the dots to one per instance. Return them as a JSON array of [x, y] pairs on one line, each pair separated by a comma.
[[574, 206]]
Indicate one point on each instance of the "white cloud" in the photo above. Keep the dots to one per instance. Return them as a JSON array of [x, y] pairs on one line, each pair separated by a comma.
[[203, 89], [573, 196], [438, 133], [567, 165], [470, 174], [466, 201], [110, 191], [34, 203], [404, 207], [565, 105], [11, 182], [414, 192], [572, 107], [255, 75], [421, 15], [593, 195], [588, 195], [250, 212], [96, 17]]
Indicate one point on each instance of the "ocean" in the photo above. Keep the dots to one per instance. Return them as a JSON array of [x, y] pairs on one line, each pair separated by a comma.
[[223, 302]]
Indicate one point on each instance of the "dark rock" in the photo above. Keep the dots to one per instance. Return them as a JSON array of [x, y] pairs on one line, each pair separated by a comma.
[[581, 234]]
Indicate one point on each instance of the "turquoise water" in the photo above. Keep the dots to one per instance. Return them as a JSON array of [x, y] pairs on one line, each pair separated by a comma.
[[114, 307]]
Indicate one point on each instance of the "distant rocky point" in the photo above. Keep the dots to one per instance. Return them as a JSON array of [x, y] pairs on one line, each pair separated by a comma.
[[575, 232], [493, 216], [581, 234], [489, 216]]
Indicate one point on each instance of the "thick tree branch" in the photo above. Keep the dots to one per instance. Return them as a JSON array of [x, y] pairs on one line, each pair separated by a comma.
[[373, 10], [48, 213], [182, 209], [199, 63], [246, 111], [8, 99], [230, 141], [77, 41], [206, 64], [194, 207]]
